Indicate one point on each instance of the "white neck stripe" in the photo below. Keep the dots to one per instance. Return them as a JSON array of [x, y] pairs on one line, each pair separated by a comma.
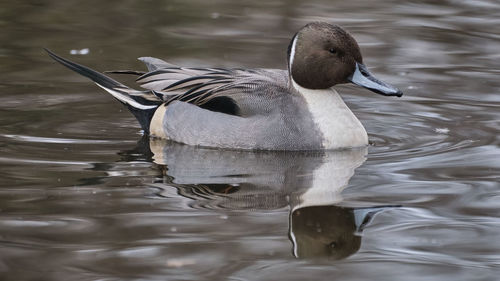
[[292, 52]]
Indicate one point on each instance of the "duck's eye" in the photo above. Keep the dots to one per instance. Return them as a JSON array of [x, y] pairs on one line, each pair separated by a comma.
[[332, 50]]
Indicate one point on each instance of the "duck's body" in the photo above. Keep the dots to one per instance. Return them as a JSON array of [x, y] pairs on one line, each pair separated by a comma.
[[263, 109], [271, 113]]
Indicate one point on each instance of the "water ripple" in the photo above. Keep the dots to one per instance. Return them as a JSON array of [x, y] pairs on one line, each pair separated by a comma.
[[35, 139]]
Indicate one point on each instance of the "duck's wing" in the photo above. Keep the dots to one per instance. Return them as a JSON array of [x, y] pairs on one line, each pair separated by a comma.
[[227, 90], [219, 89]]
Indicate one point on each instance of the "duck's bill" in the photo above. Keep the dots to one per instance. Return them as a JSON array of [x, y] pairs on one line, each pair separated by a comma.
[[362, 77]]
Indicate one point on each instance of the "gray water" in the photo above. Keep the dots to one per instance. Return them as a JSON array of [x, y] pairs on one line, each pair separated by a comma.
[[83, 196]]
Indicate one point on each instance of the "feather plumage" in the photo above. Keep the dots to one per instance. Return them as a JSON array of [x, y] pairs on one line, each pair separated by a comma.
[[200, 86]]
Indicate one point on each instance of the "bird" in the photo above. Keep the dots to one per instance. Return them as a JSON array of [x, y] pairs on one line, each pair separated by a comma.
[[253, 109]]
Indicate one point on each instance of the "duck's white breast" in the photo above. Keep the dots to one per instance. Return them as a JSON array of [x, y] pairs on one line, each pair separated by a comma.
[[339, 126]]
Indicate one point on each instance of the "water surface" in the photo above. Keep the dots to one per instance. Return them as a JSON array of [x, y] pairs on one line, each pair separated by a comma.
[[83, 196]]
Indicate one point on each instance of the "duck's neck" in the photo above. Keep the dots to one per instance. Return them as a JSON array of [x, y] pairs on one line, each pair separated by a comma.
[[339, 126]]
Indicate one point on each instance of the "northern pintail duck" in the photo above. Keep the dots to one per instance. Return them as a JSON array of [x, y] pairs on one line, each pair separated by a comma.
[[262, 109]]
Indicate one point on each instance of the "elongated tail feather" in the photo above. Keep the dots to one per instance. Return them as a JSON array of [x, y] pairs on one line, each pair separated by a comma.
[[141, 103]]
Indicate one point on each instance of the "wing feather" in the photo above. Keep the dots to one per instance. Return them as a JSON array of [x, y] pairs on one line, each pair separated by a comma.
[[200, 86]]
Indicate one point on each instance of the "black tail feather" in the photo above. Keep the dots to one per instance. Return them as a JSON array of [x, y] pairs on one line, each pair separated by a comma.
[[143, 108], [93, 75]]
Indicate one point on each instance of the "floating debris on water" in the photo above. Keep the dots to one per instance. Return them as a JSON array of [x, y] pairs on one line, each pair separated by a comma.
[[84, 51]]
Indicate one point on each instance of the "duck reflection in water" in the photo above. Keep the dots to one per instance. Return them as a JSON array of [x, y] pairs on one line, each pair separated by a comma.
[[309, 183], [328, 231]]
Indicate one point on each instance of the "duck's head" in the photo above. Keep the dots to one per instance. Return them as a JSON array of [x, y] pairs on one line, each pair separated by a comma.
[[322, 55]]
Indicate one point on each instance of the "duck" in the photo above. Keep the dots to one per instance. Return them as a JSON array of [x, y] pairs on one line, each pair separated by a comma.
[[289, 109]]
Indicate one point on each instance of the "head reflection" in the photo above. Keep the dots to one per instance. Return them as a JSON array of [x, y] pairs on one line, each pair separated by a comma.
[[309, 183], [323, 231], [328, 231]]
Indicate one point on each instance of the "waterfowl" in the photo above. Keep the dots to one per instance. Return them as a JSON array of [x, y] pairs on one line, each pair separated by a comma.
[[256, 109]]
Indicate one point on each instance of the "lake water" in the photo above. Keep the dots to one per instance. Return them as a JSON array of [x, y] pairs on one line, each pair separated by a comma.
[[83, 196]]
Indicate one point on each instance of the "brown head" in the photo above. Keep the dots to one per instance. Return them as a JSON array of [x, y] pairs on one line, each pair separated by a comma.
[[322, 55]]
